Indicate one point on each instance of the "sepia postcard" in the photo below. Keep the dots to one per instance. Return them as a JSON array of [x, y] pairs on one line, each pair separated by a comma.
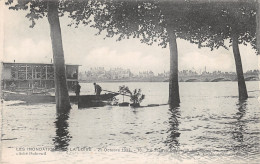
[[129, 81]]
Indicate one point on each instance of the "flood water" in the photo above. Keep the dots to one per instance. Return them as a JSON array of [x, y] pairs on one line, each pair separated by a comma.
[[210, 126]]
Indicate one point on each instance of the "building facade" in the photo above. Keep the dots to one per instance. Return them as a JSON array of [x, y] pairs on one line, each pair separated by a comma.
[[34, 75]]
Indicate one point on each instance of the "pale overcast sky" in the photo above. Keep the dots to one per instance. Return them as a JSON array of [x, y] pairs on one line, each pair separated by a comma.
[[81, 46]]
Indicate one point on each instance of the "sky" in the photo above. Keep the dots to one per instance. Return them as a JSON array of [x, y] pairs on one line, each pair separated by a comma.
[[81, 46]]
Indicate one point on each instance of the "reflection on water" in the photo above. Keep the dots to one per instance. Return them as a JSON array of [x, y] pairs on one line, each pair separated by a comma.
[[239, 130], [63, 137], [240, 123], [210, 126], [172, 140]]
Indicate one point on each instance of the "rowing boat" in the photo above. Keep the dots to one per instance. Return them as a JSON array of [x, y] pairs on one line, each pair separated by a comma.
[[47, 98], [29, 98]]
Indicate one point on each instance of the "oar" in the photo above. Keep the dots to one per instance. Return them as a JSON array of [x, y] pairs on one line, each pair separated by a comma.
[[116, 92]]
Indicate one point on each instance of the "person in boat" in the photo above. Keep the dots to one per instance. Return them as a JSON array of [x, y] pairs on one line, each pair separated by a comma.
[[98, 89], [77, 89]]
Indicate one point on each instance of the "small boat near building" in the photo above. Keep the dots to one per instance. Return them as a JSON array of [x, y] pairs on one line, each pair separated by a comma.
[[82, 100]]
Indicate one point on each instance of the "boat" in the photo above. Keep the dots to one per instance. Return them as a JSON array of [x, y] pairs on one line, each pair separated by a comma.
[[28, 97], [93, 100], [84, 100]]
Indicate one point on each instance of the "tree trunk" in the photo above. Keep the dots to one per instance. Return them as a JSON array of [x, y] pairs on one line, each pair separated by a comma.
[[61, 89], [239, 69], [167, 7], [174, 97], [258, 25]]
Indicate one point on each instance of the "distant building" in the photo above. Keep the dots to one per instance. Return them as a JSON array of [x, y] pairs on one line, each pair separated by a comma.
[[119, 73], [146, 74], [96, 73], [30, 75], [100, 73]]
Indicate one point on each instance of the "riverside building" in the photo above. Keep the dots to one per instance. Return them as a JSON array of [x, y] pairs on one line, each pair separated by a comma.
[[34, 75]]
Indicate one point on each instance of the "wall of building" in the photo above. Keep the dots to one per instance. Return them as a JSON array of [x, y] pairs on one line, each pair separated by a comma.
[[6, 72], [40, 76]]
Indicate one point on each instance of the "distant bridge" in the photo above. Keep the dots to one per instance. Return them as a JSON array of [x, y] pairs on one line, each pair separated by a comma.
[[220, 79], [251, 78], [215, 78], [191, 80]]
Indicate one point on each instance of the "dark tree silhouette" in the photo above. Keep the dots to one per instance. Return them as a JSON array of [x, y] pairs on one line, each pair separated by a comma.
[[214, 23], [61, 89], [150, 21], [258, 25], [53, 9]]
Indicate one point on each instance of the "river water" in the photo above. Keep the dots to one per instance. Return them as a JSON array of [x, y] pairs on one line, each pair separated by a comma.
[[210, 126]]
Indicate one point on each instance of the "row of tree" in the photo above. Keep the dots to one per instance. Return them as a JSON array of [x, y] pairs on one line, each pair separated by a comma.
[[205, 23]]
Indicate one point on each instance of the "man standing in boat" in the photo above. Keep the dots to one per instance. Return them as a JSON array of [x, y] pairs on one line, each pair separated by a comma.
[[98, 89], [77, 89]]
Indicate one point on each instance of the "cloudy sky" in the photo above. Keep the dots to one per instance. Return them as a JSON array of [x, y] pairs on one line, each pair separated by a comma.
[[81, 46]]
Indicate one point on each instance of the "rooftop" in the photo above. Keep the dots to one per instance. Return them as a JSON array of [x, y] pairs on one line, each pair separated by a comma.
[[12, 63]]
